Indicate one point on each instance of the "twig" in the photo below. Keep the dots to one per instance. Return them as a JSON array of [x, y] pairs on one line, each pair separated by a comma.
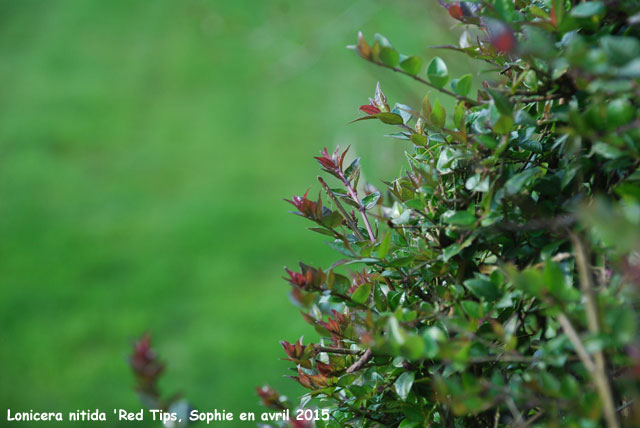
[[342, 351], [429, 84], [364, 359], [503, 359], [624, 406], [601, 379], [532, 419], [361, 208], [538, 98], [511, 405], [352, 225], [571, 333]]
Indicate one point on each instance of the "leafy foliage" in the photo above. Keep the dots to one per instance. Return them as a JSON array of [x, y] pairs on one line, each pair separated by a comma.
[[495, 283]]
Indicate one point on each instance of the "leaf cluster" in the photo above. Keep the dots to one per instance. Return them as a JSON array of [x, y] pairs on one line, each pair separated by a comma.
[[495, 282]]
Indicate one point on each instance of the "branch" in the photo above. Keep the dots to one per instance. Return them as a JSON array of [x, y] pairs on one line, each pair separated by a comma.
[[352, 225], [624, 406], [601, 379], [469, 101], [361, 208], [537, 98], [368, 354], [571, 333], [342, 351], [503, 359], [558, 223]]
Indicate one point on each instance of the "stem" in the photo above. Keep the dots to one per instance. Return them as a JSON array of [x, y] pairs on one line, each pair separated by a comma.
[[429, 84], [342, 351], [502, 359], [600, 376], [537, 98], [368, 354], [363, 212], [571, 333], [533, 418], [352, 225]]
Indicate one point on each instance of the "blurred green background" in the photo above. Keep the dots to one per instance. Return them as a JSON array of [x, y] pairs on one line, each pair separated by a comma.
[[145, 148]]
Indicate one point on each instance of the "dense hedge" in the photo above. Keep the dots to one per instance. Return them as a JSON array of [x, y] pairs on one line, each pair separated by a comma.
[[495, 283]]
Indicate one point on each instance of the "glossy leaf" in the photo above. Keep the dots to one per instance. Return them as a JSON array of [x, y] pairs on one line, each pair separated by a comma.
[[361, 294], [403, 384], [411, 65], [437, 72]]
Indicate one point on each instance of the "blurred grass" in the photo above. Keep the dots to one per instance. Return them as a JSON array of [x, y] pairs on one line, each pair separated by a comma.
[[144, 151]]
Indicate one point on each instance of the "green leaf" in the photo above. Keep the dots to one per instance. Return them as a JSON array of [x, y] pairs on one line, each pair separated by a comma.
[[389, 56], [407, 423], [379, 299], [396, 332], [413, 347], [529, 280], [446, 159], [403, 384], [458, 218], [505, 9], [322, 231], [405, 111], [462, 86], [531, 79], [472, 308], [437, 72], [332, 220], [352, 168], [588, 9], [619, 112], [382, 40], [339, 283], [361, 294], [371, 200], [450, 251], [524, 118], [550, 384], [487, 141], [438, 115], [383, 249], [411, 65], [504, 125], [389, 118], [346, 380], [418, 139], [483, 289], [502, 102], [476, 183], [431, 346], [556, 283], [517, 182], [631, 70], [531, 145], [621, 49]]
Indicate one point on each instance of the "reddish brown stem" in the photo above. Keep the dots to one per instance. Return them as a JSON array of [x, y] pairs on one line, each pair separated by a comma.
[[363, 211]]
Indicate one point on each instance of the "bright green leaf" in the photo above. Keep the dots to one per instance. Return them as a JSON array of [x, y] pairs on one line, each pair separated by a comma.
[[361, 294], [411, 65], [437, 72], [403, 384]]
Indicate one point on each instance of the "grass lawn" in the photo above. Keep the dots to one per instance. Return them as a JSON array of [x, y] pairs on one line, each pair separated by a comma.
[[145, 147]]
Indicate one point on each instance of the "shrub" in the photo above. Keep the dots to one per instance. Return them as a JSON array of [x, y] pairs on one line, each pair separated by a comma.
[[495, 283]]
